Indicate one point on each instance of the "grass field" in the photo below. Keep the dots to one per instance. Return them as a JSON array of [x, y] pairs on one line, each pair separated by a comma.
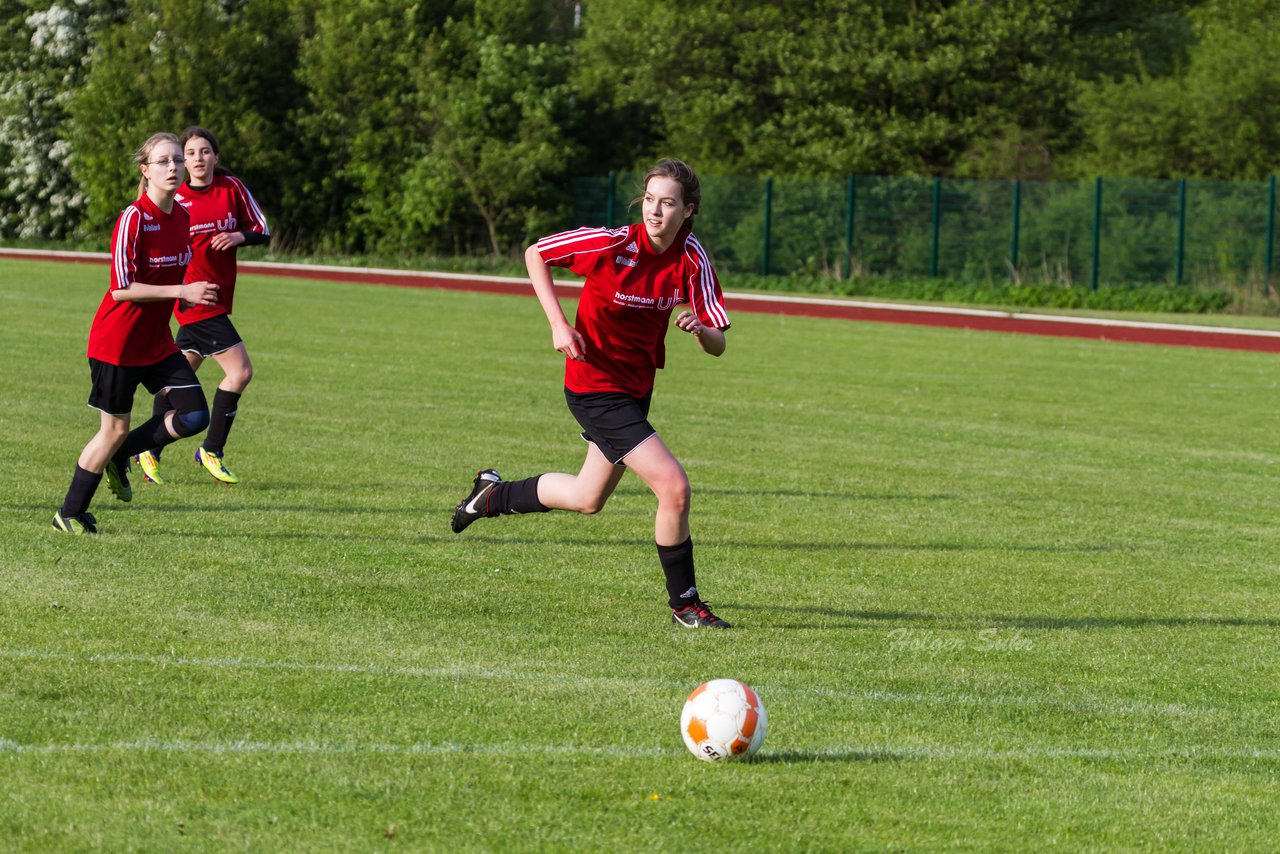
[[997, 592]]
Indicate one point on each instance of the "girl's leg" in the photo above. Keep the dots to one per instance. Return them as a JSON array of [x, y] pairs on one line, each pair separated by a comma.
[[585, 492], [88, 474], [237, 372], [111, 432], [189, 416], [653, 462], [159, 409]]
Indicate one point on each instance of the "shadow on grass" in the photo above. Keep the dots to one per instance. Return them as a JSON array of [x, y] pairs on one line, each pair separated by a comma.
[[836, 755], [1006, 621], [923, 547], [646, 542], [797, 493], [430, 520]]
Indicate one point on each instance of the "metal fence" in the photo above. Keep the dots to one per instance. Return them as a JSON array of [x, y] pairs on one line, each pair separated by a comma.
[[1209, 234]]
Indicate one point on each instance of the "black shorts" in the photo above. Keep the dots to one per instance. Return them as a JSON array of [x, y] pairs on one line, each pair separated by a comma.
[[114, 385], [208, 337], [615, 423]]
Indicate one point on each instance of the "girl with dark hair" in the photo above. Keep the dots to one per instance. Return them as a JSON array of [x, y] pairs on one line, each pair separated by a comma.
[[635, 278], [224, 216], [129, 341]]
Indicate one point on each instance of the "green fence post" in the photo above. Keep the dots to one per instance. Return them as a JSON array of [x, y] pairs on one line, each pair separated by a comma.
[[1182, 229], [1097, 231], [609, 199], [1271, 229], [850, 200], [937, 215], [768, 216], [1017, 226]]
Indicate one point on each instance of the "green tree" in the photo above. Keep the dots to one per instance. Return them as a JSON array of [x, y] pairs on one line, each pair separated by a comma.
[[1217, 117], [363, 111], [498, 143], [228, 66], [45, 53], [1112, 39], [452, 140], [828, 87]]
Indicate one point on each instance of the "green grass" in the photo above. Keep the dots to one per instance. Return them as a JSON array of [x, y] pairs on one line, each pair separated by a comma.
[[997, 592]]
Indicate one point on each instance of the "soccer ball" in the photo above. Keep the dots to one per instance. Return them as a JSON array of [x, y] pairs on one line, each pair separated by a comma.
[[723, 719]]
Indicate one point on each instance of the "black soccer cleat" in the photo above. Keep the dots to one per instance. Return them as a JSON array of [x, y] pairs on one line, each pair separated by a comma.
[[697, 615], [81, 523], [475, 505]]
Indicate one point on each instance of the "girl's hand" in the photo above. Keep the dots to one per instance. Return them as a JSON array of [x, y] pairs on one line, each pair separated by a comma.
[[200, 293], [709, 338], [570, 342], [225, 240], [688, 321]]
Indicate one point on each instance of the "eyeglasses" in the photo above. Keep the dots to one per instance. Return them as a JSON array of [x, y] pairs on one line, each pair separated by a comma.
[[168, 161]]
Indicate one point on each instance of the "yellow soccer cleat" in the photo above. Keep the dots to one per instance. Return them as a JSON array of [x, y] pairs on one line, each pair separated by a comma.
[[149, 463], [81, 523], [118, 480], [213, 465]]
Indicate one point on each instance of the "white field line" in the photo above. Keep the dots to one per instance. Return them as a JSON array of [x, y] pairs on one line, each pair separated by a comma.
[[852, 753], [1086, 705], [302, 269]]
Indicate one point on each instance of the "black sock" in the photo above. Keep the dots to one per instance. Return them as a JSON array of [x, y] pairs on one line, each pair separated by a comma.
[[220, 418], [84, 484], [517, 496], [150, 435], [677, 565], [159, 409]]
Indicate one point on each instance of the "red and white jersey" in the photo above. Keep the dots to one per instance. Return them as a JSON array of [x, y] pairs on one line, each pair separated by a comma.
[[625, 308], [151, 247], [223, 205]]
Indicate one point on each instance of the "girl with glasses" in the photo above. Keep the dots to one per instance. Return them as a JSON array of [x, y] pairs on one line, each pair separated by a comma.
[[129, 340]]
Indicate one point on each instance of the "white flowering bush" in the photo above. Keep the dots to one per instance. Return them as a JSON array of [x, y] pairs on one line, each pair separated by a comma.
[[44, 56]]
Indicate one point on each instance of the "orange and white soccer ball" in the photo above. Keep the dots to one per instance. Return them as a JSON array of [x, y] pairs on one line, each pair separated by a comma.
[[723, 719]]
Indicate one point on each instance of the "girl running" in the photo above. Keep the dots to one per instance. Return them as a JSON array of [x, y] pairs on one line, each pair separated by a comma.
[[635, 277], [224, 216], [129, 341]]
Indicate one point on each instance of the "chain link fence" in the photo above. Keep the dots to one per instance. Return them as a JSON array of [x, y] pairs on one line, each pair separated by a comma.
[[1108, 232]]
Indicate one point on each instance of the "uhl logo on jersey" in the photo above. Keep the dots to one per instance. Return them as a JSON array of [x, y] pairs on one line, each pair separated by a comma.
[[228, 224], [667, 303]]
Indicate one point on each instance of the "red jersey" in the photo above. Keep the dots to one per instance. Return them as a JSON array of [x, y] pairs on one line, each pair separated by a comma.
[[151, 247], [223, 205], [625, 308]]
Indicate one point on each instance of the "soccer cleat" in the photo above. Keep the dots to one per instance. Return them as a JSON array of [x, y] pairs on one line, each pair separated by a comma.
[[81, 523], [697, 615], [118, 480], [213, 465], [475, 505], [149, 463]]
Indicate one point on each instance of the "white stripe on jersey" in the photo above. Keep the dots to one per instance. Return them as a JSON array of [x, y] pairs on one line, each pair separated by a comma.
[[568, 239], [120, 252], [251, 205], [705, 285]]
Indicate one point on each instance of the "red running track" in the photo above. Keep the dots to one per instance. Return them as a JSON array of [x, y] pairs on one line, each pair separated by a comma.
[[1169, 334]]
